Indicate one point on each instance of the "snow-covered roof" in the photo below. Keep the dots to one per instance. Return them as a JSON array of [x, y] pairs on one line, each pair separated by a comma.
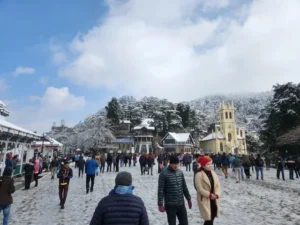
[[125, 121], [145, 123], [213, 136], [51, 142], [180, 137], [2, 104], [6, 124]]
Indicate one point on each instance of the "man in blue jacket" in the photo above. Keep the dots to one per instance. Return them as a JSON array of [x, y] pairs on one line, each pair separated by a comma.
[[91, 166], [121, 206]]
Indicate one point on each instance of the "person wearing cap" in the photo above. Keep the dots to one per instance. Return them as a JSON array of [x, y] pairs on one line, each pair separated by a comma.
[[7, 187], [208, 191], [121, 206], [9, 162], [172, 189], [64, 175]]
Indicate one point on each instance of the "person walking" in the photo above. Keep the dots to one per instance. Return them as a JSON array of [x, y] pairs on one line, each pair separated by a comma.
[[237, 169], [291, 166], [143, 162], [280, 168], [28, 169], [90, 170], [7, 188], [208, 191], [81, 165], [259, 167], [36, 171], [129, 159], [54, 165], [103, 160], [225, 163], [247, 166], [117, 162], [121, 206], [64, 175], [134, 159], [150, 162], [109, 161], [76, 159], [172, 189], [187, 162]]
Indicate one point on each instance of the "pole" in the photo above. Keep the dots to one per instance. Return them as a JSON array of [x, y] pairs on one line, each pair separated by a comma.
[[4, 157], [42, 150]]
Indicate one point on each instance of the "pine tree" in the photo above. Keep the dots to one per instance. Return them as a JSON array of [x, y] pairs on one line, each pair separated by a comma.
[[114, 112]]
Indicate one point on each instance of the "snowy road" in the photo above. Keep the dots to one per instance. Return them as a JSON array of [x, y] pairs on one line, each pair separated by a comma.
[[253, 202]]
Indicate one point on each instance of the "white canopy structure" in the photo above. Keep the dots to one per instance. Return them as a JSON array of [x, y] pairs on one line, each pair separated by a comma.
[[16, 139]]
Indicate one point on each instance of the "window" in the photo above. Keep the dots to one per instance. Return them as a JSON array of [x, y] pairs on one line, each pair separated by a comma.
[[221, 146], [237, 131], [226, 115], [230, 115], [144, 149], [241, 133], [137, 149], [229, 137]]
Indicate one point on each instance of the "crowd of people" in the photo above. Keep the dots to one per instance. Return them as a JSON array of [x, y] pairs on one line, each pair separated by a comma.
[[172, 188]]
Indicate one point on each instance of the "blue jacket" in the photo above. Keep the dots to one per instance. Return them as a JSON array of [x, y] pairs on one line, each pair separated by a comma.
[[225, 160], [9, 163], [91, 167], [120, 209]]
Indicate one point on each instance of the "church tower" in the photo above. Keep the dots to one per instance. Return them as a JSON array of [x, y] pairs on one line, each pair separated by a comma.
[[227, 122]]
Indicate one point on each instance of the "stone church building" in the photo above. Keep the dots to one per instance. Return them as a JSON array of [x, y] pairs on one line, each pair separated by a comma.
[[225, 137]]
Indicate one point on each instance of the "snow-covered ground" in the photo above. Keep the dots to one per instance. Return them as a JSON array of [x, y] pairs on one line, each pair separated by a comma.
[[252, 202]]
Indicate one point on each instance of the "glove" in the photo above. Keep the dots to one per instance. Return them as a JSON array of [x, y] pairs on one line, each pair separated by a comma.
[[190, 204], [161, 208]]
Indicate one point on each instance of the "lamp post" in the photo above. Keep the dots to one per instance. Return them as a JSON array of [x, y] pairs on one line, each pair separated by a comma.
[[42, 150]]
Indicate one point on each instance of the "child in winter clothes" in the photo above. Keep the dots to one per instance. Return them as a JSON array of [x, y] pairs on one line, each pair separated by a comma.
[[208, 191]]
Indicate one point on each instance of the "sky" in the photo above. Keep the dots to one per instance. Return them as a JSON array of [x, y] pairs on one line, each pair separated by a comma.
[[67, 59]]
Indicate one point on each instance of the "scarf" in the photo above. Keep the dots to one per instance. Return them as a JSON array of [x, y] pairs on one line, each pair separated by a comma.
[[122, 190]]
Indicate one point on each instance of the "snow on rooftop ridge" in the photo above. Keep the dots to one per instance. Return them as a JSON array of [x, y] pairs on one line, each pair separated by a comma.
[[147, 122], [7, 124], [180, 137], [2, 103], [213, 136], [125, 121]]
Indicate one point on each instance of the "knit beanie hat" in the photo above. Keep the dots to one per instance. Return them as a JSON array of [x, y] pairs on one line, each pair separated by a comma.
[[173, 159], [123, 178], [204, 160]]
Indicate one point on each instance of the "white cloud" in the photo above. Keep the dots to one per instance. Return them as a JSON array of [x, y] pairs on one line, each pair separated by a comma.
[[61, 100], [3, 85], [44, 80], [54, 105], [23, 70], [59, 58], [181, 50]]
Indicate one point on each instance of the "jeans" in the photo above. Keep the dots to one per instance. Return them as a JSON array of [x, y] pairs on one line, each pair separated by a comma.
[[121, 162], [247, 172], [63, 193], [28, 181], [261, 169], [109, 167], [242, 172], [6, 213], [150, 168], [80, 172], [179, 212], [188, 166], [291, 173], [88, 179], [102, 167], [282, 173], [142, 169], [36, 179]]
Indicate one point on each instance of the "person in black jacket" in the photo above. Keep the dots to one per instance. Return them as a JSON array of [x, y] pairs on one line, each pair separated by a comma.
[[109, 161], [150, 162], [280, 168], [143, 162], [64, 175], [121, 206], [28, 169], [81, 165], [54, 166], [7, 187], [172, 189]]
